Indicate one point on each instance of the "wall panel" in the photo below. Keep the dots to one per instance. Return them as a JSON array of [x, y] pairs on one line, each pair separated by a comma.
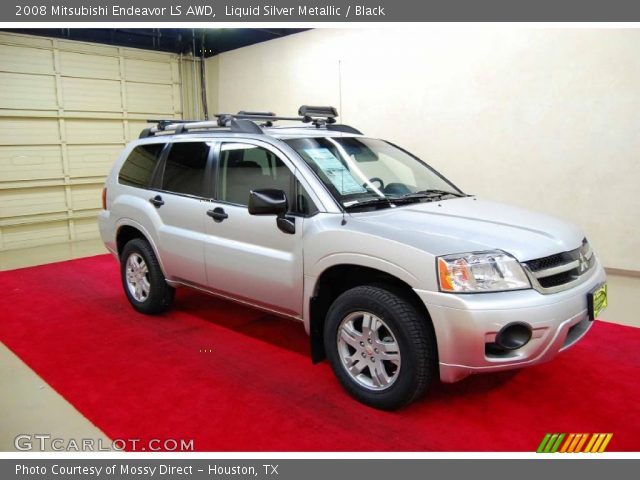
[[66, 111], [27, 91], [547, 119]]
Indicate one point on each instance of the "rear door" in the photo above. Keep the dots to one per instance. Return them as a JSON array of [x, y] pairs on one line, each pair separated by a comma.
[[180, 189], [248, 257]]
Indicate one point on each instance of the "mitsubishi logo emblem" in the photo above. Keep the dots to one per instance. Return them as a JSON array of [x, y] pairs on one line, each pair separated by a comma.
[[583, 264]]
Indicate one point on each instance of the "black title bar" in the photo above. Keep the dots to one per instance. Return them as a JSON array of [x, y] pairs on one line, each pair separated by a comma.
[[216, 11]]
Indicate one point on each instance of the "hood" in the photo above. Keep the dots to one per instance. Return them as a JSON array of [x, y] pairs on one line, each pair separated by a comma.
[[472, 224]]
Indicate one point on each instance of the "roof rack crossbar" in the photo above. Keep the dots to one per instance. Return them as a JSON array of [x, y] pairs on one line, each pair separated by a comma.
[[256, 116], [263, 114], [240, 122], [179, 126], [317, 116]]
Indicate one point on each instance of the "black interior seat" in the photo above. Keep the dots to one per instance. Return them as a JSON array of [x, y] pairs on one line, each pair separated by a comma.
[[242, 177]]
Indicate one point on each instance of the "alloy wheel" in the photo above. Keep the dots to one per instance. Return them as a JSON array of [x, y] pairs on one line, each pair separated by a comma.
[[137, 275], [368, 350]]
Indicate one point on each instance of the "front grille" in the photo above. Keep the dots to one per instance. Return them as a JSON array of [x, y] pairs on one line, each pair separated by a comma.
[[558, 279], [546, 262], [561, 270]]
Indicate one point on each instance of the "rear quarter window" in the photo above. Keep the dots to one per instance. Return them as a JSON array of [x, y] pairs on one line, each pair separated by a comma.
[[139, 165]]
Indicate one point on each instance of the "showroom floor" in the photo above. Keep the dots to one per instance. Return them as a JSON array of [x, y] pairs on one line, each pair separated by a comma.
[[37, 408]]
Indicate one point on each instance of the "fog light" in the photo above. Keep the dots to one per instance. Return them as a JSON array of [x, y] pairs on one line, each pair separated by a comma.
[[513, 336]]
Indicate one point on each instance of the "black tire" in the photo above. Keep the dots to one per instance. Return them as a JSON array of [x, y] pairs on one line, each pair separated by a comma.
[[413, 336], [160, 295]]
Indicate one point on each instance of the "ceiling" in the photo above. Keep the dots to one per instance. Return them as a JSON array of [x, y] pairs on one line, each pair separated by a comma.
[[177, 40]]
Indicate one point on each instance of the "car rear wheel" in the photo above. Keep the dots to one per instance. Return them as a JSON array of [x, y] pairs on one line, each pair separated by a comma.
[[379, 347], [142, 278]]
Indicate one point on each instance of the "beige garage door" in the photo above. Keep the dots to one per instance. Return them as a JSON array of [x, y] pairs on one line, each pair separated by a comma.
[[66, 110]]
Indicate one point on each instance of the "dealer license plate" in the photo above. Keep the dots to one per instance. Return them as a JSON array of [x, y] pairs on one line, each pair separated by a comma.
[[597, 301]]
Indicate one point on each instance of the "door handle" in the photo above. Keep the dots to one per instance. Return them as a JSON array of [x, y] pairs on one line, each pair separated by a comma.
[[218, 214], [157, 201]]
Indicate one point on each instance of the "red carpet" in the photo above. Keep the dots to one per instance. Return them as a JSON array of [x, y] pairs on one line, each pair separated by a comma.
[[143, 377]]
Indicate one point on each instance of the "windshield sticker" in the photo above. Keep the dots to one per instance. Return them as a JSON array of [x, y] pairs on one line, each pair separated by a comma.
[[337, 173]]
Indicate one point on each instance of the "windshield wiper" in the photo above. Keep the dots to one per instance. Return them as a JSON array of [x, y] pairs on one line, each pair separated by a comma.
[[432, 193], [372, 202]]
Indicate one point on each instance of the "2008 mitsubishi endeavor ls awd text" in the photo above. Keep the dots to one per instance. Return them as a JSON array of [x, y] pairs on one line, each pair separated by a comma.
[[398, 276]]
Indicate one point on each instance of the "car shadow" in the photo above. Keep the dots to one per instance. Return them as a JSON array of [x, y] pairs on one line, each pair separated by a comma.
[[277, 331], [473, 384], [290, 335]]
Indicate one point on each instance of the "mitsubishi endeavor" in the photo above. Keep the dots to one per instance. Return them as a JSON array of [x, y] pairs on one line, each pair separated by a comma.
[[399, 277]]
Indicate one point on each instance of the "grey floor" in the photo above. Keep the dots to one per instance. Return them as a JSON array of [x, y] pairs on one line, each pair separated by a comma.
[[29, 406]]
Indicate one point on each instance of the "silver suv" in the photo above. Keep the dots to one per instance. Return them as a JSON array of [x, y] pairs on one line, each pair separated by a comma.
[[398, 276]]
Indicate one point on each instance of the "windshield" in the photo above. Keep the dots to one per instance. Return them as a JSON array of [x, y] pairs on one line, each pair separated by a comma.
[[363, 171]]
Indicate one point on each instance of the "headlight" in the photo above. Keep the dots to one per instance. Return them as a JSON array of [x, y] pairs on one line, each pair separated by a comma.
[[481, 272]]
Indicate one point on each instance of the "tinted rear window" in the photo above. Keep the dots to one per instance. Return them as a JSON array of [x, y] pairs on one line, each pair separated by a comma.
[[185, 167], [137, 169]]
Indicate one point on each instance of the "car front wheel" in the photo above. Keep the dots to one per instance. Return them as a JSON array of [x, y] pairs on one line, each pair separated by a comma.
[[379, 347]]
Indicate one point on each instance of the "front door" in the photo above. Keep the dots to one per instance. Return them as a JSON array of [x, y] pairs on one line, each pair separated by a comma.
[[248, 257]]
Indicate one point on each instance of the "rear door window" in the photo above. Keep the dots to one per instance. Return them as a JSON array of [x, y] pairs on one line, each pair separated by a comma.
[[138, 167], [185, 168]]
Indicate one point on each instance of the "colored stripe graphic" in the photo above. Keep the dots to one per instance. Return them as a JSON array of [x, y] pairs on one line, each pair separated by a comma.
[[557, 444], [582, 442], [547, 449], [567, 442], [543, 443], [574, 443], [576, 439], [598, 442], [605, 443], [591, 442]]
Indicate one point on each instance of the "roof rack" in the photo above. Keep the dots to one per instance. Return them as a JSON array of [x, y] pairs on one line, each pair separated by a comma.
[[245, 122]]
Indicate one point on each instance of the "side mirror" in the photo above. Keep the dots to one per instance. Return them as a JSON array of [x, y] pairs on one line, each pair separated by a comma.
[[268, 201]]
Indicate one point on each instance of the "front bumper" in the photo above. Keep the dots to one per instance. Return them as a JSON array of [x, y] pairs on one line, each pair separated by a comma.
[[464, 324]]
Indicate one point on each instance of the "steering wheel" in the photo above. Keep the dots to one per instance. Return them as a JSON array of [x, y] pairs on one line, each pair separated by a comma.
[[375, 180]]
